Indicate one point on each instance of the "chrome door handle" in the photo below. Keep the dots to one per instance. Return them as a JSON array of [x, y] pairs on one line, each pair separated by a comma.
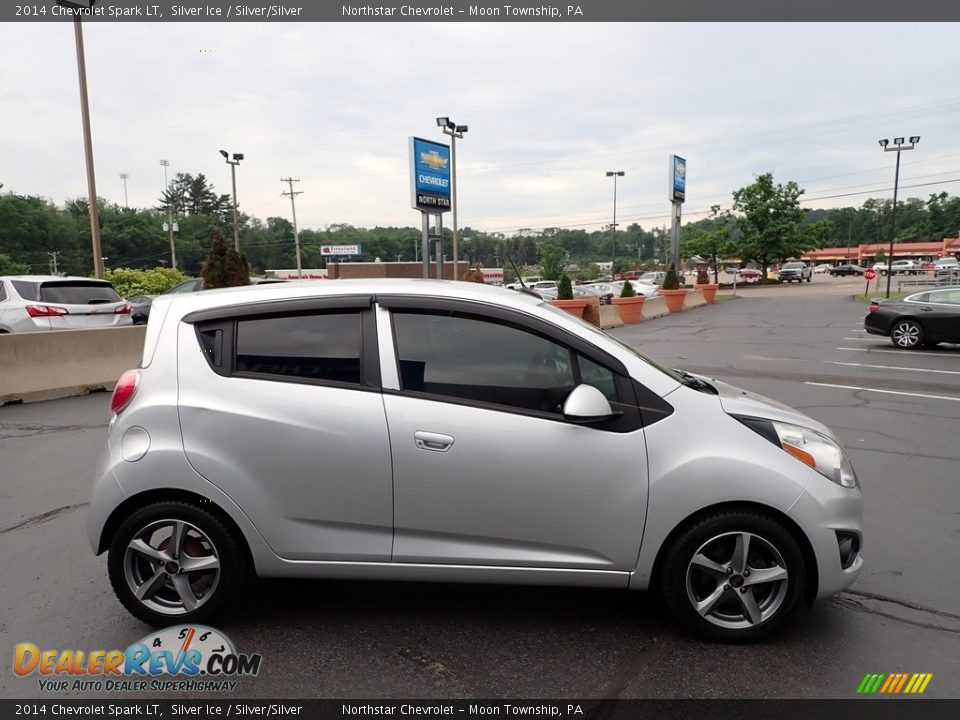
[[432, 441]]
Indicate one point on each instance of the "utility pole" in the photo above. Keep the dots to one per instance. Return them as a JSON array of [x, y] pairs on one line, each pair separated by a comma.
[[126, 202], [54, 267], [166, 189], [293, 207]]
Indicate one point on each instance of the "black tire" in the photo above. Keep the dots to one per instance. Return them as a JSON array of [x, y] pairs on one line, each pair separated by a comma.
[[906, 334], [206, 534], [770, 544]]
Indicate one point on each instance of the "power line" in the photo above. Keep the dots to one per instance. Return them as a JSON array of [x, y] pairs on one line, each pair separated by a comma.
[[293, 207]]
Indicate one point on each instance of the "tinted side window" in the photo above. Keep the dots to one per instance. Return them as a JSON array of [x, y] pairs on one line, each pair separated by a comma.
[[600, 377], [474, 359], [323, 347], [949, 297], [78, 292], [3, 292], [26, 290]]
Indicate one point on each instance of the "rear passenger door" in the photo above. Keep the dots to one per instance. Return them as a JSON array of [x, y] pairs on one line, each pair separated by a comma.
[[280, 408]]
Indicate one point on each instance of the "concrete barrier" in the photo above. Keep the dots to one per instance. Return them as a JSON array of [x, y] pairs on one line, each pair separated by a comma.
[[62, 363], [610, 317], [694, 299], [654, 307]]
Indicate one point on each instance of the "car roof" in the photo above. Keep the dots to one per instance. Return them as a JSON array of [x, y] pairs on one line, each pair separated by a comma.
[[181, 304]]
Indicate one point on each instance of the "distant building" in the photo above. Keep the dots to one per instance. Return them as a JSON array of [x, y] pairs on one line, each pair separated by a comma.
[[867, 253]]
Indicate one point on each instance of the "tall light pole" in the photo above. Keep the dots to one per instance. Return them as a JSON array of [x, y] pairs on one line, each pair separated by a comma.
[[237, 157], [87, 138], [166, 189], [454, 131], [126, 202], [613, 240], [898, 147]]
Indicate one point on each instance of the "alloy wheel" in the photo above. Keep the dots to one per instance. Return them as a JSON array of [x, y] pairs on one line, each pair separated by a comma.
[[737, 580], [906, 334], [171, 567]]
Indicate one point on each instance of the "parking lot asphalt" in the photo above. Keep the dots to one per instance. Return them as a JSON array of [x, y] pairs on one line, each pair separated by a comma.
[[896, 413]]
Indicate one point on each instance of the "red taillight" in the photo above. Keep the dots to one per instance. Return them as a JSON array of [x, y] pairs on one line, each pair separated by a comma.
[[123, 309], [874, 306], [45, 311], [123, 392]]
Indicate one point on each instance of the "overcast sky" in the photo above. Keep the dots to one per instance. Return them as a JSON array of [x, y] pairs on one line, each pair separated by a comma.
[[550, 108]]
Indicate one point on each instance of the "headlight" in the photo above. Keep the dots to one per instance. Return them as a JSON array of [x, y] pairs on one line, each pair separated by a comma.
[[818, 451]]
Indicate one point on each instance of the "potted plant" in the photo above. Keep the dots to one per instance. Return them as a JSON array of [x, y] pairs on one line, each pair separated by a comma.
[[565, 299], [629, 304], [703, 283], [672, 292]]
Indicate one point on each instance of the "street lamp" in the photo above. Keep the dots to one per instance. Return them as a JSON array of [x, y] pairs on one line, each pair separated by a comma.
[[87, 140], [126, 202], [898, 147], [237, 157], [454, 131], [613, 240]]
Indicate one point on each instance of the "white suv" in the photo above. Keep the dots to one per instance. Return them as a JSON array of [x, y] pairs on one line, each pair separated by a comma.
[[908, 267]]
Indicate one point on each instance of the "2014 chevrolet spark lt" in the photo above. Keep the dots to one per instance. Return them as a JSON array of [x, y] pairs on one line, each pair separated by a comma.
[[428, 430]]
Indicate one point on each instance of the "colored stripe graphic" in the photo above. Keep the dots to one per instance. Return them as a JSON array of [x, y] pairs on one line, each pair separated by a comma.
[[894, 683]]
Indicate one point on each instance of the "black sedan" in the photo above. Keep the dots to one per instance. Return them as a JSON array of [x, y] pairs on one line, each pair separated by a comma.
[[840, 270], [924, 318]]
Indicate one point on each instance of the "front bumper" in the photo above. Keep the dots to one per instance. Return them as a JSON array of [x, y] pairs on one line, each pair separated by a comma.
[[832, 518]]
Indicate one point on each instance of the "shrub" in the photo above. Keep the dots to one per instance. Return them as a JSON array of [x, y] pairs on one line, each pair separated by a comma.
[[628, 291], [129, 282], [671, 281], [564, 289]]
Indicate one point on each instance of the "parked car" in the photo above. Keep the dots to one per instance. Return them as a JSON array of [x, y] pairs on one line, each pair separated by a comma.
[[140, 308], [33, 303], [374, 429], [601, 290], [844, 270], [924, 318], [749, 273], [794, 271], [908, 267], [822, 268], [945, 267], [880, 268]]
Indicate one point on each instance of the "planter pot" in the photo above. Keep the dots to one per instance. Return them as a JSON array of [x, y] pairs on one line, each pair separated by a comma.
[[574, 307], [630, 308], [709, 291], [674, 299]]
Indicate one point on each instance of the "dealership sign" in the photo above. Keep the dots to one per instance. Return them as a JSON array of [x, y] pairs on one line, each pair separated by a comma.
[[339, 249], [678, 178], [430, 175]]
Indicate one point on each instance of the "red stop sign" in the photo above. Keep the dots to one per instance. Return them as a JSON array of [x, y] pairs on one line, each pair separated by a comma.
[[869, 274]]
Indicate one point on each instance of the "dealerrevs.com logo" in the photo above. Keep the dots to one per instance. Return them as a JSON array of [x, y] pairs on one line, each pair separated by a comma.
[[179, 658]]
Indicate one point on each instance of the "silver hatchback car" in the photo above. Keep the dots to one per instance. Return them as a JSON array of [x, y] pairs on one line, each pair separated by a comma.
[[385, 429]]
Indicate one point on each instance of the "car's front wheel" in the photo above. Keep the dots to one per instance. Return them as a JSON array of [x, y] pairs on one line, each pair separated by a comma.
[[175, 562], [907, 334], [733, 576]]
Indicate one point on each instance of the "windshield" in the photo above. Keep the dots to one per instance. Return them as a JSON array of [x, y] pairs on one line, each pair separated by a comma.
[[793, 266]]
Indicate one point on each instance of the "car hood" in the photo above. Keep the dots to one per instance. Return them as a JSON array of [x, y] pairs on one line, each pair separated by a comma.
[[737, 401]]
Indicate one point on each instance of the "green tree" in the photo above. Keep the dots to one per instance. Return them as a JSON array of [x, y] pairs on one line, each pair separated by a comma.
[[769, 222], [628, 290], [551, 261], [236, 269], [215, 268], [9, 267], [671, 281], [711, 238], [565, 288]]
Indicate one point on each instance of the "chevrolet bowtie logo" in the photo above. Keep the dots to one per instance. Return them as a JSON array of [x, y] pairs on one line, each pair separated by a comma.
[[433, 160]]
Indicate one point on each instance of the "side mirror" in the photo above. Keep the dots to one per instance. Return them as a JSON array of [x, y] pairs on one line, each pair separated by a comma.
[[587, 404]]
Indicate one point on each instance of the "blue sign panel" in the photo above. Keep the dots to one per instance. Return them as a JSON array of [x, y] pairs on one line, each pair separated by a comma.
[[430, 182], [678, 178]]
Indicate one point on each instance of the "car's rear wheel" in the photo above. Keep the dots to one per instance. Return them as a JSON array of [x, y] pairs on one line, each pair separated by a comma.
[[175, 562], [733, 576], [907, 334]]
